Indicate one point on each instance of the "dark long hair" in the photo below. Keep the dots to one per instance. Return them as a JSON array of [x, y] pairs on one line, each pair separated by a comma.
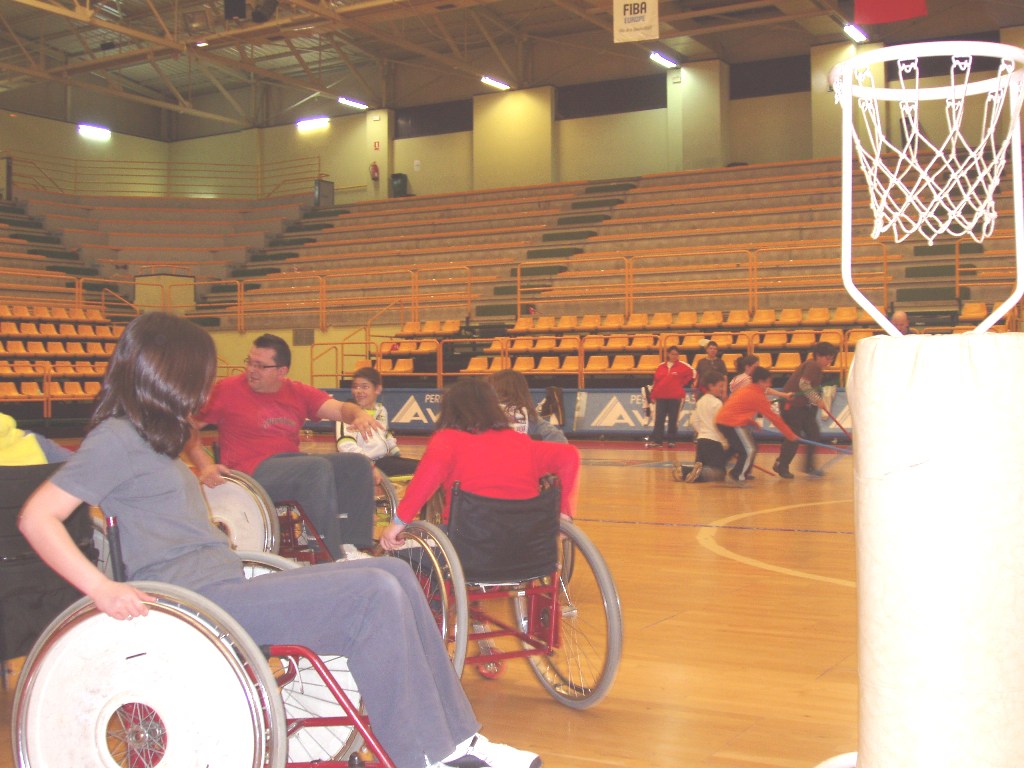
[[471, 405], [160, 375], [513, 391]]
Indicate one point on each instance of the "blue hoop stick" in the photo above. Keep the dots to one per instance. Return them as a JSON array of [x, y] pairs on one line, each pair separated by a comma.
[[825, 445]]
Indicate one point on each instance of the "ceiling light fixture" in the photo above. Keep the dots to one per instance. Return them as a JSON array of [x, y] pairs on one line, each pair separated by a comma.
[[486, 80], [94, 132], [666, 62], [854, 33], [313, 124], [352, 103]]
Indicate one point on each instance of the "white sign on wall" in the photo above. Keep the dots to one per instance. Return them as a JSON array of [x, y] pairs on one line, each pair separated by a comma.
[[635, 20]]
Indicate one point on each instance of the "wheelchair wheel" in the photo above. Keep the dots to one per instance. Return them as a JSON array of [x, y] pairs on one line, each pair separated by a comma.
[[241, 508], [306, 695], [386, 502], [180, 687], [580, 672], [433, 558]]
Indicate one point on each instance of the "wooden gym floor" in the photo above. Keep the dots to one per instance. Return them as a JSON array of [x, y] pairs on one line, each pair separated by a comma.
[[740, 623]]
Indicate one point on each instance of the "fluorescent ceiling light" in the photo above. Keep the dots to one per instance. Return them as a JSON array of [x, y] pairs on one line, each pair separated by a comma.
[[352, 103], [495, 83], [666, 62], [94, 132], [202, 44], [854, 33], [313, 124]]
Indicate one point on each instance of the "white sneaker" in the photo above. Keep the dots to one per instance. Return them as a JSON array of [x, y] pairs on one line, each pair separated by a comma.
[[478, 752], [351, 553]]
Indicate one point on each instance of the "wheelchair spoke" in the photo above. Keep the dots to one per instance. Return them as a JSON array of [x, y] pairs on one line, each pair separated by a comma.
[[580, 670], [136, 736]]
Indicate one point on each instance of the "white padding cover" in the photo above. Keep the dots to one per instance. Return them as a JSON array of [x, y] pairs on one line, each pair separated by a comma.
[[939, 486]]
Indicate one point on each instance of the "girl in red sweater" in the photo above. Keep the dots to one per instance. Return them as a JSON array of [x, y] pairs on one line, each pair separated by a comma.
[[475, 446]]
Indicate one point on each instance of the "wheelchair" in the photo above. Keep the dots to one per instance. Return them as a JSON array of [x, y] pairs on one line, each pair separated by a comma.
[[243, 510], [565, 619], [134, 701]]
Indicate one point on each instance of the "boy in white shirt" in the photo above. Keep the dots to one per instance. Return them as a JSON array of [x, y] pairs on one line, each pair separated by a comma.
[[381, 447], [709, 463]]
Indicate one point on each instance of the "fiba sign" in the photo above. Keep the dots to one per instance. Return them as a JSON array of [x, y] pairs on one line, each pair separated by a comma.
[[635, 21]]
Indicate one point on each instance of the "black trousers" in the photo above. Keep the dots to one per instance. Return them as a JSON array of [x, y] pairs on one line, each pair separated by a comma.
[[804, 421], [665, 410]]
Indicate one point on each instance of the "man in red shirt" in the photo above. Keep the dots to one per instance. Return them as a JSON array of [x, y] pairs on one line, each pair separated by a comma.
[[259, 414], [668, 392]]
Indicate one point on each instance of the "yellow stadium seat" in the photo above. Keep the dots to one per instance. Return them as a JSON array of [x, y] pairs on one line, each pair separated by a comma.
[[593, 342], [729, 359], [403, 365], [668, 340], [427, 347], [723, 340], [647, 363], [430, 328], [570, 364], [9, 390], [92, 388], [711, 318], [623, 364], [801, 340], [569, 344], [57, 313], [548, 364], [597, 364], [856, 334], [410, 328], [613, 322], [30, 388], [74, 389], [386, 365], [844, 316], [448, 327], [973, 311], [544, 324], [660, 321], [589, 323], [642, 342], [692, 342], [737, 318], [545, 344], [772, 339], [497, 346], [686, 319], [790, 318], [476, 365], [522, 344], [566, 323], [93, 315], [36, 348], [499, 364], [787, 361], [617, 342], [741, 341], [523, 364], [28, 329], [637, 322], [817, 316], [833, 337], [762, 318], [16, 347]]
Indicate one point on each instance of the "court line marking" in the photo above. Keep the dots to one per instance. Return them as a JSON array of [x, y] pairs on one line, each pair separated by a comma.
[[706, 538]]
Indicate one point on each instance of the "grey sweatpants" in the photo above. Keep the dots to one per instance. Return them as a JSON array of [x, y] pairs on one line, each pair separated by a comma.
[[373, 612], [334, 489]]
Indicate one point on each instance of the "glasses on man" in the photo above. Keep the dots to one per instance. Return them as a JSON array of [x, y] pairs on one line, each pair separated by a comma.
[[250, 363]]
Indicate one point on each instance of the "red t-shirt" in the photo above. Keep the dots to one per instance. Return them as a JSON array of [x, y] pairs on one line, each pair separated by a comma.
[[500, 463], [256, 425]]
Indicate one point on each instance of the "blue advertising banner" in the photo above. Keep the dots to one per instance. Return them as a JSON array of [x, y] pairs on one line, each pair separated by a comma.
[[589, 413]]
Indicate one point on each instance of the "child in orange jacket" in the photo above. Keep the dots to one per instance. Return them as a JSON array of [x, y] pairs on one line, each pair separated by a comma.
[[736, 417]]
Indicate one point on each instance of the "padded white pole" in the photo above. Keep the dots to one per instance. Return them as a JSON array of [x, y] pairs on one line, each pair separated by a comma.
[[939, 487]]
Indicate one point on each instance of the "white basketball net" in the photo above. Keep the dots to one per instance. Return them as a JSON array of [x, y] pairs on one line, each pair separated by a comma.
[[917, 185]]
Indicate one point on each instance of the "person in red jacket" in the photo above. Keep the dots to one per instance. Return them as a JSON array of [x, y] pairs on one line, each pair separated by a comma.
[[670, 381], [477, 447], [736, 417]]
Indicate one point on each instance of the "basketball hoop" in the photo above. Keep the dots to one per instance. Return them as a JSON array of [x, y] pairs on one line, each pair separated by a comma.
[[921, 184]]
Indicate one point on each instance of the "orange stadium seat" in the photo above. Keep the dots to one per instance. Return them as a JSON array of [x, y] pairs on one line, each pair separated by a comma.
[[569, 344], [762, 318], [844, 316], [476, 365], [637, 322], [548, 364], [545, 344], [544, 323], [711, 318], [597, 364], [791, 317], [566, 323], [623, 364], [660, 321], [817, 316], [523, 364], [686, 319]]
